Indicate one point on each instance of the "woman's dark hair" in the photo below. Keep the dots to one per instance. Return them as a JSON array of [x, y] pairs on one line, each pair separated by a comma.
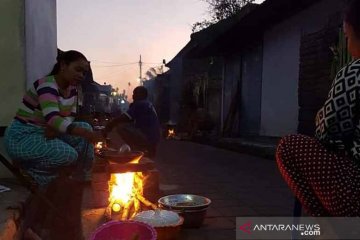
[[352, 16], [66, 57]]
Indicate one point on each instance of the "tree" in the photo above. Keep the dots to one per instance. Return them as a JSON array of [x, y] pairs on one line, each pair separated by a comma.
[[219, 10]]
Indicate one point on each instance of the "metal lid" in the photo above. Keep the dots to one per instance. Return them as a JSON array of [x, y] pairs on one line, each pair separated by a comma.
[[159, 218]]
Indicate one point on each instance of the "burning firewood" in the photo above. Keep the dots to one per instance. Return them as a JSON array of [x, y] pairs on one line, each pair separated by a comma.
[[136, 207], [107, 213], [146, 202], [126, 210]]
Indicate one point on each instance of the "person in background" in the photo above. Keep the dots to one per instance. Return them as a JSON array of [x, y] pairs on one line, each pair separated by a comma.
[[324, 172], [145, 132]]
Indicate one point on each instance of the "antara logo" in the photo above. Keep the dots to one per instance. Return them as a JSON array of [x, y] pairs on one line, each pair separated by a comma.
[[246, 227]]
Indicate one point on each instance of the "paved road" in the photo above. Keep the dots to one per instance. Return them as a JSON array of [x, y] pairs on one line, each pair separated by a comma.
[[239, 185]]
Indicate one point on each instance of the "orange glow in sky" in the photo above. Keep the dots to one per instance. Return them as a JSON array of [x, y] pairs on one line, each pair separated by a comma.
[[113, 33]]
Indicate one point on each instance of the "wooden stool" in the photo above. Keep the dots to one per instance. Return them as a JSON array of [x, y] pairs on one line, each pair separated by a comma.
[[41, 200]]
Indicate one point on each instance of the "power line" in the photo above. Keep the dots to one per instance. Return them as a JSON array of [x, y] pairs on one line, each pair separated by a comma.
[[115, 65], [113, 75], [152, 63], [118, 63], [100, 61], [116, 71]]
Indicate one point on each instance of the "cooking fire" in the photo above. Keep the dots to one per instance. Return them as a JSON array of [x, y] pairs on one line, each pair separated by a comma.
[[126, 182], [171, 134], [126, 196]]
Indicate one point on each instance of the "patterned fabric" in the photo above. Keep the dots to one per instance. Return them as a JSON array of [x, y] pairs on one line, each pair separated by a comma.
[[42, 157], [43, 104], [325, 182], [337, 122]]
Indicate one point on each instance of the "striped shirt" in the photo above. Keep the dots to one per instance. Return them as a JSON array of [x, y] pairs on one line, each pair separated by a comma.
[[43, 104]]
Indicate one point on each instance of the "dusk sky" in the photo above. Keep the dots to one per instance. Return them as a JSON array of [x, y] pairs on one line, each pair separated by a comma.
[[113, 33]]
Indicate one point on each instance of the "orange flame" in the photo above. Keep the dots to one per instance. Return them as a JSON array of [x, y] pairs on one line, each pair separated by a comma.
[[99, 145], [171, 133]]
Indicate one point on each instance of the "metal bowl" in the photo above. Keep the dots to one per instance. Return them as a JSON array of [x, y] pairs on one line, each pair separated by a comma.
[[192, 218], [184, 202], [191, 207]]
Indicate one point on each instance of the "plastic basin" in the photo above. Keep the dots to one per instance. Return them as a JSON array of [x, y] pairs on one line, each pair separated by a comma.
[[124, 230]]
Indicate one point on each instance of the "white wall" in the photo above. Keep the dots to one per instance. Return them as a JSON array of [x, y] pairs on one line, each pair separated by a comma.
[[41, 38], [28, 48], [279, 111]]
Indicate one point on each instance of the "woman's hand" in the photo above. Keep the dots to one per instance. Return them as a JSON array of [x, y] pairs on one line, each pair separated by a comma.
[[91, 136], [50, 133]]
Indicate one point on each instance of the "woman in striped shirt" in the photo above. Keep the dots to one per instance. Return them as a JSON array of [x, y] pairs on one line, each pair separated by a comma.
[[43, 135]]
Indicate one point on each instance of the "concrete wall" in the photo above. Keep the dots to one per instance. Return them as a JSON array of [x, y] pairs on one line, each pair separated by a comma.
[[279, 112], [176, 79], [12, 62], [251, 80], [232, 79], [41, 43]]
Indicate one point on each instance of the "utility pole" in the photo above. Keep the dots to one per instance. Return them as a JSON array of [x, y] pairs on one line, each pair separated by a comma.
[[140, 66]]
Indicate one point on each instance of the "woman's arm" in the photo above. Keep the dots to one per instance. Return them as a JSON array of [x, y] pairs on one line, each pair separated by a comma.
[[92, 136], [49, 100]]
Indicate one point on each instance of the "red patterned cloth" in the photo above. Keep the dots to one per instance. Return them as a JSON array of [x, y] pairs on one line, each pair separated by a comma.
[[327, 183]]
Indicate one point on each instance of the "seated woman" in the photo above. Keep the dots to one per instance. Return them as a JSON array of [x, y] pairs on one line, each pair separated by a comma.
[[324, 172], [43, 136]]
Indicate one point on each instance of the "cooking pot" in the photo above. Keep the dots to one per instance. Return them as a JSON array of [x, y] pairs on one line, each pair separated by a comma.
[[191, 207]]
